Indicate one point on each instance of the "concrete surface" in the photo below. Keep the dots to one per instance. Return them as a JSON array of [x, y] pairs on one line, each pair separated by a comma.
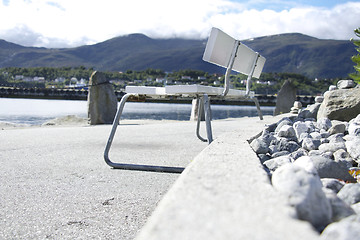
[[54, 183], [226, 194]]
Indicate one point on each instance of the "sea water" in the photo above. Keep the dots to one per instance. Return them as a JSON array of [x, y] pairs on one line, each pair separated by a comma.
[[38, 111]]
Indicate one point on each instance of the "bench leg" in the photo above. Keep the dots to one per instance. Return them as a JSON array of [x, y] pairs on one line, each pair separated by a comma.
[[204, 102], [200, 103], [258, 108], [208, 118], [124, 166]]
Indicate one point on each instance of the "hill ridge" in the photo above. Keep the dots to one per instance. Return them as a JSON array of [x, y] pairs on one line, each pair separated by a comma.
[[288, 52]]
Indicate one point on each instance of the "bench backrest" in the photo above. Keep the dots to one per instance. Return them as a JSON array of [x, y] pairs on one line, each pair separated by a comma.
[[220, 47], [225, 51]]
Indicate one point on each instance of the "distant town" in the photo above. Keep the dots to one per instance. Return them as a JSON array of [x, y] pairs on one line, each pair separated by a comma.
[[66, 78]]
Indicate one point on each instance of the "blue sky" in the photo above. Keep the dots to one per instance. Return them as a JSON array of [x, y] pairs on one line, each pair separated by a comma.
[[69, 23], [279, 5]]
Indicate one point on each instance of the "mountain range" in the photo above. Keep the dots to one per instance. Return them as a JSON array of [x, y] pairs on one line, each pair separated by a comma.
[[291, 52]]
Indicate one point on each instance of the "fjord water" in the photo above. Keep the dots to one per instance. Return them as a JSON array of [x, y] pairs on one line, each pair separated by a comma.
[[38, 111]]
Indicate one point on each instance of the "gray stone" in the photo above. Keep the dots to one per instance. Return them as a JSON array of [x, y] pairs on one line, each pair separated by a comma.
[[311, 125], [307, 164], [277, 162], [356, 119], [350, 193], [354, 126], [297, 104], [354, 129], [279, 154], [282, 122], [315, 153], [332, 88], [324, 123], [263, 157], [336, 138], [310, 144], [353, 148], [285, 98], [310, 111], [331, 183], [304, 192], [332, 146], [324, 140], [315, 135], [285, 145], [342, 104], [273, 149], [339, 208], [337, 127], [328, 168], [300, 128], [296, 108], [195, 104], [270, 127], [356, 208], [260, 146], [324, 134], [342, 84], [343, 156], [267, 137], [298, 153], [328, 155], [102, 101], [287, 131], [346, 229], [319, 99], [303, 136]]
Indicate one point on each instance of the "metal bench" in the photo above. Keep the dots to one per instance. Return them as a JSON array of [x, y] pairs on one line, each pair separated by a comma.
[[222, 50]]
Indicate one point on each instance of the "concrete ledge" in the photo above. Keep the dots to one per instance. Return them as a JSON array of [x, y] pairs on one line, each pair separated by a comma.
[[225, 194]]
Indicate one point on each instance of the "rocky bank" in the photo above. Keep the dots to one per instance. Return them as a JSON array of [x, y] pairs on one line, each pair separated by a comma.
[[313, 158]]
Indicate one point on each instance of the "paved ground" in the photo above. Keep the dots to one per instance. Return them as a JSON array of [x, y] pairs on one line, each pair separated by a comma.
[[54, 183], [225, 193]]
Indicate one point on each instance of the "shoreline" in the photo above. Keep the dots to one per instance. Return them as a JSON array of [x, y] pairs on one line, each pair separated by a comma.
[[76, 121], [264, 100]]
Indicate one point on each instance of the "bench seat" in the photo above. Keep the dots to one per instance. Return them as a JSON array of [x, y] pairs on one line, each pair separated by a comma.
[[186, 90], [195, 90]]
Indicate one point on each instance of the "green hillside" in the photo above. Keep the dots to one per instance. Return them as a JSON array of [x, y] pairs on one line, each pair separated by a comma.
[[295, 53]]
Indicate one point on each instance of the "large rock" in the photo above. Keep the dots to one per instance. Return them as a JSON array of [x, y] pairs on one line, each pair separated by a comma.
[[343, 84], [354, 126], [342, 104], [310, 111], [283, 144], [277, 162], [353, 148], [102, 101], [350, 193], [287, 131], [339, 208], [260, 146], [333, 184], [304, 191], [328, 168], [337, 127], [346, 229], [300, 128], [332, 146], [323, 123], [285, 98]]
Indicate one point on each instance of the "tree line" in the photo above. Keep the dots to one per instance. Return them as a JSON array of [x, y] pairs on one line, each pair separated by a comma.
[[269, 83]]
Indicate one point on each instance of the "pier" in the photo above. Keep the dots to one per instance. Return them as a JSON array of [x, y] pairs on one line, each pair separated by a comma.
[[81, 94]]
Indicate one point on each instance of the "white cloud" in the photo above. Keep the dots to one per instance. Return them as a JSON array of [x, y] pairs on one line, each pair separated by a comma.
[[55, 23]]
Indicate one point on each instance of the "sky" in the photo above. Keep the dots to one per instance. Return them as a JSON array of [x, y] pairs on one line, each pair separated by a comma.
[[71, 23]]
